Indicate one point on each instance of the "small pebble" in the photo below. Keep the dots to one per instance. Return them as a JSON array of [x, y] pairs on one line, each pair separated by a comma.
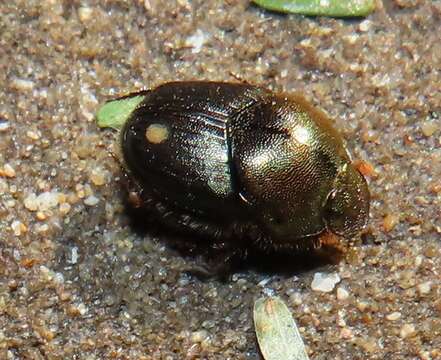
[[4, 125], [429, 128], [91, 200], [30, 202], [424, 288], [32, 135], [407, 330], [368, 344], [346, 333], [85, 13], [3, 185], [342, 294], [65, 208], [365, 25], [18, 227], [74, 255], [43, 228], [419, 260], [45, 333], [390, 221], [82, 309], [199, 336], [46, 273], [196, 41], [325, 282], [393, 316], [64, 295], [362, 305], [264, 282], [41, 215], [75, 310], [22, 84], [296, 298], [2, 308], [8, 171], [47, 200], [98, 177]]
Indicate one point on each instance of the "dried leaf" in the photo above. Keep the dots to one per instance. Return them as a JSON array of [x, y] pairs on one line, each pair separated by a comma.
[[276, 330]]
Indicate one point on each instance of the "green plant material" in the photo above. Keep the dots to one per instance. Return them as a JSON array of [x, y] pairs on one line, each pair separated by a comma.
[[276, 330], [336, 8], [115, 113]]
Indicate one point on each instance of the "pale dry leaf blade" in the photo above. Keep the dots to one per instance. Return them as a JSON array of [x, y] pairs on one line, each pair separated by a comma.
[[277, 333]]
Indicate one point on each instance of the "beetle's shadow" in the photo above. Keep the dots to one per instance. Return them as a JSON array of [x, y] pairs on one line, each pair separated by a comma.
[[222, 263]]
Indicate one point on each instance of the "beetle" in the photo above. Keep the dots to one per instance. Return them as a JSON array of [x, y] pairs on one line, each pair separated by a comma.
[[239, 164]]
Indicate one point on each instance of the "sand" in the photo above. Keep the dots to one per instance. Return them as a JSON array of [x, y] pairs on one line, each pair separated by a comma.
[[79, 281]]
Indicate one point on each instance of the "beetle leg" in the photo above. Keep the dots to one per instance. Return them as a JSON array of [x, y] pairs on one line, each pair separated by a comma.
[[220, 263]]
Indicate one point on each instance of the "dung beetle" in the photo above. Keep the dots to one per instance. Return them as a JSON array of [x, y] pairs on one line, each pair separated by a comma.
[[235, 162]]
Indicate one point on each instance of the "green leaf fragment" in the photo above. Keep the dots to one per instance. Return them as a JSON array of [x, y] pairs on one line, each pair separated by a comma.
[[115, 113], [276, 330], [336, 8]]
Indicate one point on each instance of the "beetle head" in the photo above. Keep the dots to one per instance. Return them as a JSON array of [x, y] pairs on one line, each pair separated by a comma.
[[347, 205]]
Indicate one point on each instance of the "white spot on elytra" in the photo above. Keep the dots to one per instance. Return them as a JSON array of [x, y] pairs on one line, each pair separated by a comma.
[[156, 133]]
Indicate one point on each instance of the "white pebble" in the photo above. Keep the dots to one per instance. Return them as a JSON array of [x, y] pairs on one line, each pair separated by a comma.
[[46, 273], [196, 41], [418, 260], [424, 288], [42, 228], [264, 282], [18, 227], [85, 13], [393, 316], [4, 125], [91, 200], [296, 298], [32, 135], [47, 200], [342, 293], [74, 255], [82, 309], [30, 202], [407, 331], [325, 282], [65, 208], [365, 25], [59, 278], [9, 171], [22, 84]]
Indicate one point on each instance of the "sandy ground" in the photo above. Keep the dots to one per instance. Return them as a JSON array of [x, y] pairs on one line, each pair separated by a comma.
[[79, 281]]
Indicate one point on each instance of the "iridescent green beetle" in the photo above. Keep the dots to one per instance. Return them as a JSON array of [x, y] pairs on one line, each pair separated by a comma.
[[239, 164]]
